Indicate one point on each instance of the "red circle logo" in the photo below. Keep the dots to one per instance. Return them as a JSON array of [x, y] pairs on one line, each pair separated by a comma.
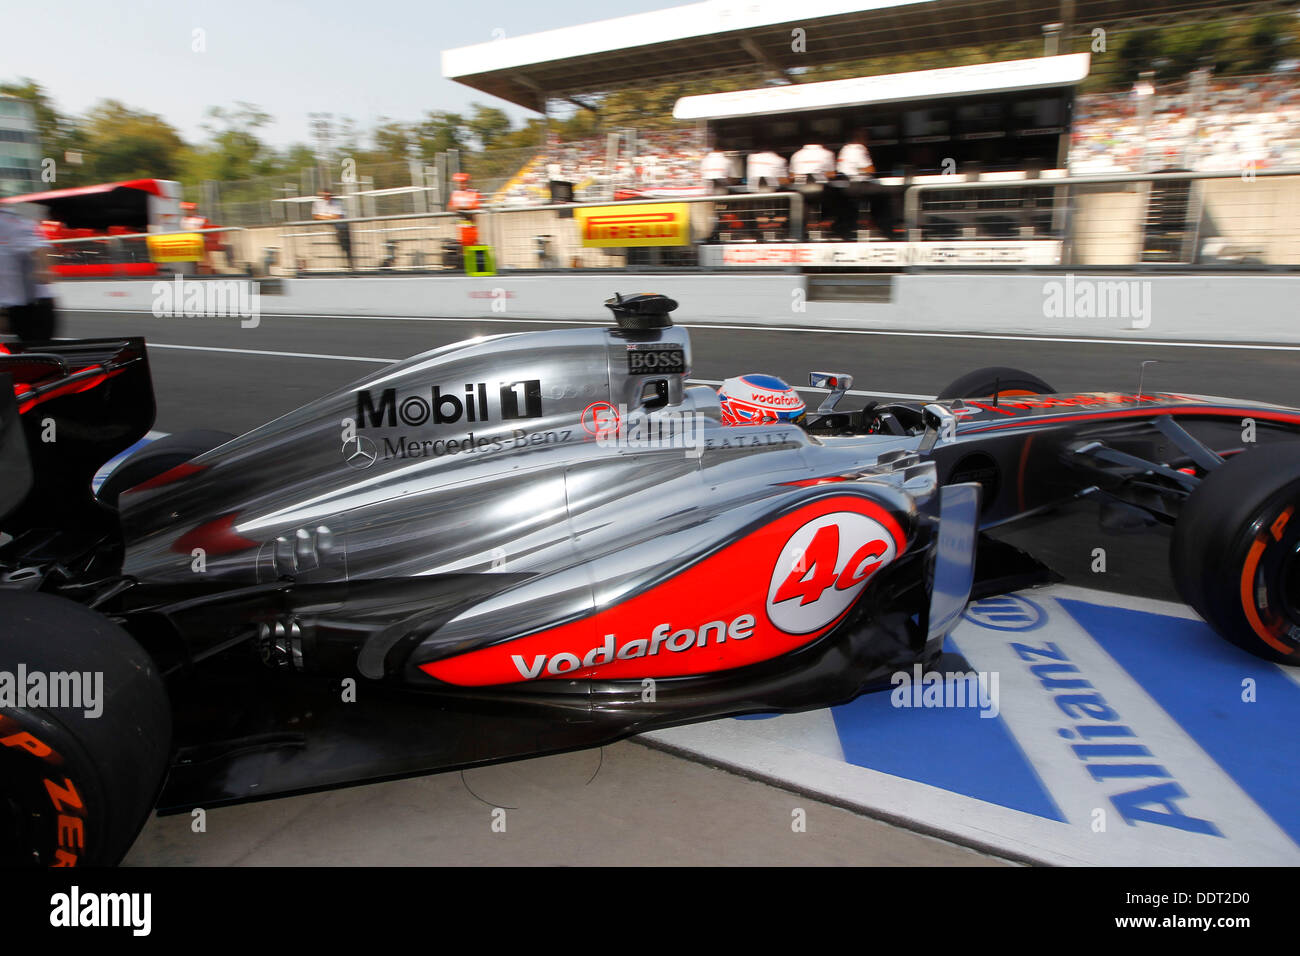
[[600, 419]]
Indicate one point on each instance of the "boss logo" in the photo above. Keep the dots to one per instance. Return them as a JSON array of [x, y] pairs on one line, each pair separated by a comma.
[[824, 567], [649, 359], [514, 401]]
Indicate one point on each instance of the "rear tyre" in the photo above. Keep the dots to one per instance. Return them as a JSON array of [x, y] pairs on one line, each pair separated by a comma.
[[158, 457], [1006, 382], [76, 789], [1235, 553]]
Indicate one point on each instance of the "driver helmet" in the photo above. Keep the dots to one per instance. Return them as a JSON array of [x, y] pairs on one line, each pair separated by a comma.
[[755, 399]]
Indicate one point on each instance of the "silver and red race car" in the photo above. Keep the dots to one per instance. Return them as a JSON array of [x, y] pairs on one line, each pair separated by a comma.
[[537, 542]]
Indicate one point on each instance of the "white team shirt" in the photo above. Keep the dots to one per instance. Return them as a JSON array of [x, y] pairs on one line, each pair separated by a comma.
[[813, 160], [327, 207], [715, 165], [855, 160], [765, 165]]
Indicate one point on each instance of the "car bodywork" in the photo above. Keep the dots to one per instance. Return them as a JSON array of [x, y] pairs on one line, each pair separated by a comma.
[[542, 541]]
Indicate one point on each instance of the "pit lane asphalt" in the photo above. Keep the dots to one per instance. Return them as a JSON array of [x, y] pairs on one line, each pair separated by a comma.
[[236, 389]]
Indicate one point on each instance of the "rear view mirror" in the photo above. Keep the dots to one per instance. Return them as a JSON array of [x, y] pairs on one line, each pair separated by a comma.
[[838, 384]]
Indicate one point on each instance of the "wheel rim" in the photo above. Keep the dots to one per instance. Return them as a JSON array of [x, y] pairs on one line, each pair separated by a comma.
[[11, 831], [1270, 580], [15, 819], [1289, 579]]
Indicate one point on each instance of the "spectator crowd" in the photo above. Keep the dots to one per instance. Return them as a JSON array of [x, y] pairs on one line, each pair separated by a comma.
[[1238, 121]]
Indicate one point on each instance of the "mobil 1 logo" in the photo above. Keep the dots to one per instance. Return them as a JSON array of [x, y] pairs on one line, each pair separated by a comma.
[[509, 401], [656, 359]]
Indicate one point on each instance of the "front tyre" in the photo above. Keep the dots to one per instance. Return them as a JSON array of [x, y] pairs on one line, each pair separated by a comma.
[[996, 380], [78, 777], [1235, 553]]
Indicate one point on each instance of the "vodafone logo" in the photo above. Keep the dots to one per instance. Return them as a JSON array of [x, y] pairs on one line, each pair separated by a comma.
[[784, 399], [823, 568], [820, 553]]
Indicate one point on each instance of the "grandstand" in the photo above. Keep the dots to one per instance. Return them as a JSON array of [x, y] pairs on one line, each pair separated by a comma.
[[722, 37], [1018, 119], [1253, 119]]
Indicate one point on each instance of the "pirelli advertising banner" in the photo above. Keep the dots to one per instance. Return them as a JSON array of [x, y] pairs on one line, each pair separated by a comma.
[[654, 224], [176, 247]]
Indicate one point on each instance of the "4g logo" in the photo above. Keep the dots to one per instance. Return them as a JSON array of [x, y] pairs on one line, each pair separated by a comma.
[[824, 567]]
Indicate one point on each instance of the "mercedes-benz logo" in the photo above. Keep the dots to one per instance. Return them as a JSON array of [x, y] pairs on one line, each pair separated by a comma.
[[360, 452]]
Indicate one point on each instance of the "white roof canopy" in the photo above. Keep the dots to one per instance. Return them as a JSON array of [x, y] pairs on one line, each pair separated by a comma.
[[1037, 73]]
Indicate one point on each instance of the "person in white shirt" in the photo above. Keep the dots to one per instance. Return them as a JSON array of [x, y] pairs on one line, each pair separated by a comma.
[[813, 163], [854, 171], [560, 177], [715, 171], [855, 159], [26, 293], [329, 208], [766, 172]]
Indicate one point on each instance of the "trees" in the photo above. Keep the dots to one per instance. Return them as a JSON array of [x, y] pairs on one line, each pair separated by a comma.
[[233, 150], [532, 133], [393, 141], [488, 125], [123, 143], [438, 132]]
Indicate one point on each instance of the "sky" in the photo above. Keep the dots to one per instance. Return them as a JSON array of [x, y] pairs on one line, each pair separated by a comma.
[[367, 60]]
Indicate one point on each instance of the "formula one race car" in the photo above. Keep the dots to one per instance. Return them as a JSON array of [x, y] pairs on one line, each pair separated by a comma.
[[537, 542]]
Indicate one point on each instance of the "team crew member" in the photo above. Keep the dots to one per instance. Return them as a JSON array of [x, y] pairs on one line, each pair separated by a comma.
[[766, 172], [466, 201], [855, 159], [812, 167], [717, 170], [813, 163], [191, 221], [856, 167], [329, 208], [26, 293], [560, 174]]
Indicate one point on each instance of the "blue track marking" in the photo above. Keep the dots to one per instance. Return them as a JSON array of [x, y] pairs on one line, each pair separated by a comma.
[[953, 749], [1196, 677]]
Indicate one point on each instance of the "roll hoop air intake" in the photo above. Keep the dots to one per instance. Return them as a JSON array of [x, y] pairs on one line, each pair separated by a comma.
[[642, 311]]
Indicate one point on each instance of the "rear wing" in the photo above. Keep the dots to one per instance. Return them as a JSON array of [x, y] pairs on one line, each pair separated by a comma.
[[66, 408], [15, 463]]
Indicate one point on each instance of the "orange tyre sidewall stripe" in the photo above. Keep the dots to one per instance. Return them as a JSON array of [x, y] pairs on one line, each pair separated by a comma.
[[1248, 598]]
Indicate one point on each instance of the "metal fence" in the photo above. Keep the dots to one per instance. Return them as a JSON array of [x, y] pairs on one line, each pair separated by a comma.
[[595, 167], [1242, 218], [366, 189], [1166, 220]]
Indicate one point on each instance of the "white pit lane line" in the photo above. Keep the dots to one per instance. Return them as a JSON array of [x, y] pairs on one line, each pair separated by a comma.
[[739, 327], [303, 355], [389, 361]]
